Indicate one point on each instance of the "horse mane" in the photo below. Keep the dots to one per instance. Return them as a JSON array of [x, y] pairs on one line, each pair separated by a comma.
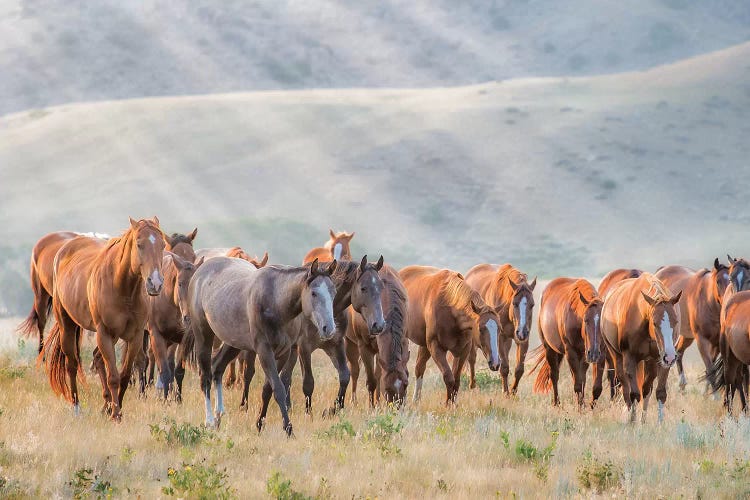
[[657, 287], [345, 272], [394, 318], [458, 294], [582, 287], [177, 238], [507, 271]]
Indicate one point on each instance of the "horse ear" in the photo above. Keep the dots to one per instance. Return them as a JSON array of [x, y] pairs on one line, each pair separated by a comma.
[[264, 261], [583, 299], [476, 307], [170, 240], [331, 267], [731, 260], [513, 284], [533, 284], [313, 268], [717, 264], [331, 233], [133, 223], [200, 262], [156, 220], [648, 299], [350, 236], [178, 262], [362, 264], [192, 235], [379, 265], [676, 298]]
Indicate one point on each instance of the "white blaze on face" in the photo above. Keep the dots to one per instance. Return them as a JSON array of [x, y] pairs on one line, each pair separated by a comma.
[[522, 313], [666, 332], [337, 251], [152, 239], [492, 328], [325, 295], [596, 327], [397, 384], [740, 275]]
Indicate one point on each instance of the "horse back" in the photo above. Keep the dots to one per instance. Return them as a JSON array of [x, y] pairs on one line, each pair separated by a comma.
[[320, 253], [612, 278], [43, 256], [73, 267]]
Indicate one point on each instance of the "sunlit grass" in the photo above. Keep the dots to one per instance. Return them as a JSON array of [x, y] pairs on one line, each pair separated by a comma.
[[488, 445]]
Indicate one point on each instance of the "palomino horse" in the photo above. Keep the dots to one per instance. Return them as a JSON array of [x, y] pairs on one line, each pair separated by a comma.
[[570, 326], [358, 286], [610, 280], [387, 353], [247, 308], [100, 286], [42, 280], [639, 321], [700, 309], [507, 290], [337, 248], [447, 315], [166, 323]]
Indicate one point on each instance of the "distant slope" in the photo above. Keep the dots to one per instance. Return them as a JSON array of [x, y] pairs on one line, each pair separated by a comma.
[[558, 175], [55, 52]]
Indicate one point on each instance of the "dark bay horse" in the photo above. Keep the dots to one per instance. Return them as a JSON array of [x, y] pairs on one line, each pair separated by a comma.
[[336, 248], [640, 319], [166, 323], [610, 280], [358, 287], [570, 327], [447, 315], [102, 286], [248, 308], [507, 290], [700, 310], [42, 280], [385, 355]]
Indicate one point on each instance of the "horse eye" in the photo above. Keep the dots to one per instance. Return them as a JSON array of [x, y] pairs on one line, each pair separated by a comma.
[[363, 289], [315, 294]]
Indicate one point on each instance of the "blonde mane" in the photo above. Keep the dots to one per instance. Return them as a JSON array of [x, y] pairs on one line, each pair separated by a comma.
[[582, 287], [458, 294], [507, 272], [657, 290]]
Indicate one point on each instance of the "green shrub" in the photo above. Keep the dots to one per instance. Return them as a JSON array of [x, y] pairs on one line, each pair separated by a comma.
[[281, 489], [540, 458], [598, 475], [184, 434], [198, 481], [13, 372], [381, 430], [86, 484], [340, 430]]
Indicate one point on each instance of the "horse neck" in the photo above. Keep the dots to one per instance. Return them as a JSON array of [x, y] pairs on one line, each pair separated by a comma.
[[343, 298], [287, 288], [125, 277]]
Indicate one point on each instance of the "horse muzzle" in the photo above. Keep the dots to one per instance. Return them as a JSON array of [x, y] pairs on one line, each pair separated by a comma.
[[668, 359], [522, 335], [154, 284], [593, 356], [377, 327], [493, 366]]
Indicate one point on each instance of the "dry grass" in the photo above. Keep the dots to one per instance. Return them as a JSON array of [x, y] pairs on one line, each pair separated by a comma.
[[487, 446]]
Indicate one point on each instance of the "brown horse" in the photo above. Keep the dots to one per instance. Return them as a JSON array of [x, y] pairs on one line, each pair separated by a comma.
[[387, 353], [610, 280], [248, 308], [100, 286], [336, 248], [166, 323], [639, 322], [447, 315], [570, 326], [734, 342], [700, 310], [507, 290], [42, 279]]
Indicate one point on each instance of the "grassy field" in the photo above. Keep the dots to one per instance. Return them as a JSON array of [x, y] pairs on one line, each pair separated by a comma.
[[487, 446]]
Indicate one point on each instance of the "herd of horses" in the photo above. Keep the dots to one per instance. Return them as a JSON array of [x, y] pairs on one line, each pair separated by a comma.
[[172, 306]]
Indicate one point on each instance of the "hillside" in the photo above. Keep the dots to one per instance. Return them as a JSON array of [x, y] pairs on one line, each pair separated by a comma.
[[54, 52], [558, 175]]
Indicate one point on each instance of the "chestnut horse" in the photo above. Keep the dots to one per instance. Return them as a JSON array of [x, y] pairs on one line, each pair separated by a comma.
[[447, 315], [700, 310], [640, 319], [166, 323], [42, 279], [100, 286], [610, 280], [570, 326], [507, 290], [734, 342], [387, 353], [336, 248], [248, 308]]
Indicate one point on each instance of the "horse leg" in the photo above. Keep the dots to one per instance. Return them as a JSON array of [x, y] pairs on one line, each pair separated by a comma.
[[133, 351], [204, 339], [521, 350], [270, 368], [440, 357], [151, 366], [597, 376], [458, 366], [553, 359], [308, 381], [682, 344], [247, 376], [225, 356], [352, 358], [577, 367], [69, 332], [631, 367], [368, 360], [106, 346], [179, 371], [160, 350], [650, 368], [423, 355], [143, 363], [609, 363], [286, 372], [97, 363], [472, 367], [42, 304], [504, 347], [231, 375], [707, 356], [662, 375]]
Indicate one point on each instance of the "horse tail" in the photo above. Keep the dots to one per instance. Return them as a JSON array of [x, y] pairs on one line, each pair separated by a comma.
[[56, 363], [29, 327], [538, 358], [187, 348]]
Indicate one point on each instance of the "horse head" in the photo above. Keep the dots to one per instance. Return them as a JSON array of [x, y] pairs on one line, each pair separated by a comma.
[[185, 270], [664, 320], [739, 273], [521, 308], [592, 333], [339, 245], [147, 253], [366, 295], [317, 298]]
